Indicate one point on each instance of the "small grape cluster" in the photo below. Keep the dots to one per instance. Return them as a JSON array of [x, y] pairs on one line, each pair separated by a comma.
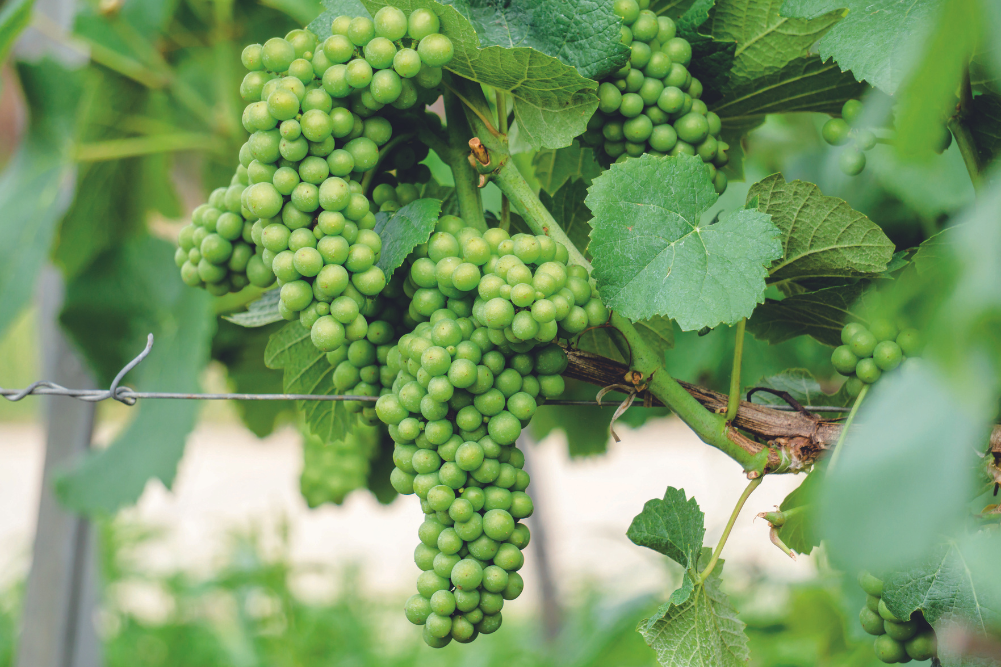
[[652, 105], [215, 251], [461, 397], [866, 353], [897, 640], [331, 470], [845, 131]]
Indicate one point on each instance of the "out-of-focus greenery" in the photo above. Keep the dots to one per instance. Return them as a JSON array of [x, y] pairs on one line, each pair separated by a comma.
[[247, 614]]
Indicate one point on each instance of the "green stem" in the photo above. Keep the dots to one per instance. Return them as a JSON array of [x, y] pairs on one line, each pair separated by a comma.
[[748, 490], [117, 149], [844, 429], [733, 403], [467, 192], [505, 217]]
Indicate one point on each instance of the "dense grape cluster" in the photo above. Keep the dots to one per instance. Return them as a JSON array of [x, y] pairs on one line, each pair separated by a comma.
[[468, 380], [897, 640], [652, 105], [867, 353], [848, 132], [215, 251]]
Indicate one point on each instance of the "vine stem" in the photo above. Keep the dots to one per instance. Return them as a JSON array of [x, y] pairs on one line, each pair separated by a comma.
[[479, 114], [844, 431], [733, 403], [118, 149], [505, 217], [748, 490], [964, 137], [466, 191]]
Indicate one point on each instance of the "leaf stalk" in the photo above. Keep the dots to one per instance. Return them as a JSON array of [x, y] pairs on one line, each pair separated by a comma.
[[748, 490], [738, 353]]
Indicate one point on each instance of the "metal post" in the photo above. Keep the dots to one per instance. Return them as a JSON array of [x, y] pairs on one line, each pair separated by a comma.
[[552, 614], [63, 591]]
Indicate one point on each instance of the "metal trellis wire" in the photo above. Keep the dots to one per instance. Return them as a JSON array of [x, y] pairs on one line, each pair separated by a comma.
[[130, 396]]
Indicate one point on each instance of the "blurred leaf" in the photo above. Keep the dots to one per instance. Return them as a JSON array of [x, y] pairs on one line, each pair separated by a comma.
[[586, 427], [333, 469], [928, 96], [798, 532], [569, 211], [652, 256], [821, 314], [131, 31], [552, 101], [259, 313], [404, 230], [697, 630], [904, 473], [554, 167], [242, 352], [673, 526], [933, 188], [802, 386], [823, 237], [984, 120], [108, 311], [585, 34], [658, 332], [877, 40], [332, 9], [945, 589], [380, 466], [14, 17], [308, 372], [37, 185], [303, 11]]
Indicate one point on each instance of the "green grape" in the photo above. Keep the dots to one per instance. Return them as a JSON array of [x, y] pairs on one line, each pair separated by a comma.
[[889, 650], [390, 23], [422, 22], [923, 646], [871, 622], [867, 371], [435, 50], [844, 360], [851, 161]]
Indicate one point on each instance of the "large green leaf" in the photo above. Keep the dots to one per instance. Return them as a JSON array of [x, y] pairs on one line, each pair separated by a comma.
[[946, 588], [673, 526], [822, 237], [821, 314], [37, 185], [110, 307], [554, 167], [877, 40], [404, 230], [583, 33], [697, 627], [653, 255], [307, 371], [904, 473], [568, 208], [552, 101]]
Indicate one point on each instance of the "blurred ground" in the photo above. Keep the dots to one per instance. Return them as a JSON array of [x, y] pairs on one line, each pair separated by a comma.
[[231, 480]]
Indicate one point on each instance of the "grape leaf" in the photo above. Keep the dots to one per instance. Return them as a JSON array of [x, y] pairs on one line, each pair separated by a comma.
[[821, 314], [259, 313], [673, 526], [241, 351], [320, 26], [308, 372], [878, 40], [42, 167], [671, 8], [945, 588], [658, 332], [697, 627], [110, 308], [552, 101], [712, 59], [823, 237], [554, 167], [802, 386], [404, 230], [653, 256], [904, 473], [585, 34], [302, 12], [798, 532], [568, 209], [585, 427]]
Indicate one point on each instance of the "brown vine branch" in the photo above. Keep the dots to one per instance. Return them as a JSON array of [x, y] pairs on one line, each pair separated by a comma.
[[804, 437]]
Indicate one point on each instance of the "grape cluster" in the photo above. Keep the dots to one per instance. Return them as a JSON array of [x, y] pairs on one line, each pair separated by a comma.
[[462, 395], [332, 470], [652, 105], [896, 640], [215, 250], [867, 353], [845, 131]]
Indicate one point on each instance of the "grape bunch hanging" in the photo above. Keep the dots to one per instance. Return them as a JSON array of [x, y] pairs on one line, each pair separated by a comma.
[[652, 104], [897, 640], [868, 352]]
